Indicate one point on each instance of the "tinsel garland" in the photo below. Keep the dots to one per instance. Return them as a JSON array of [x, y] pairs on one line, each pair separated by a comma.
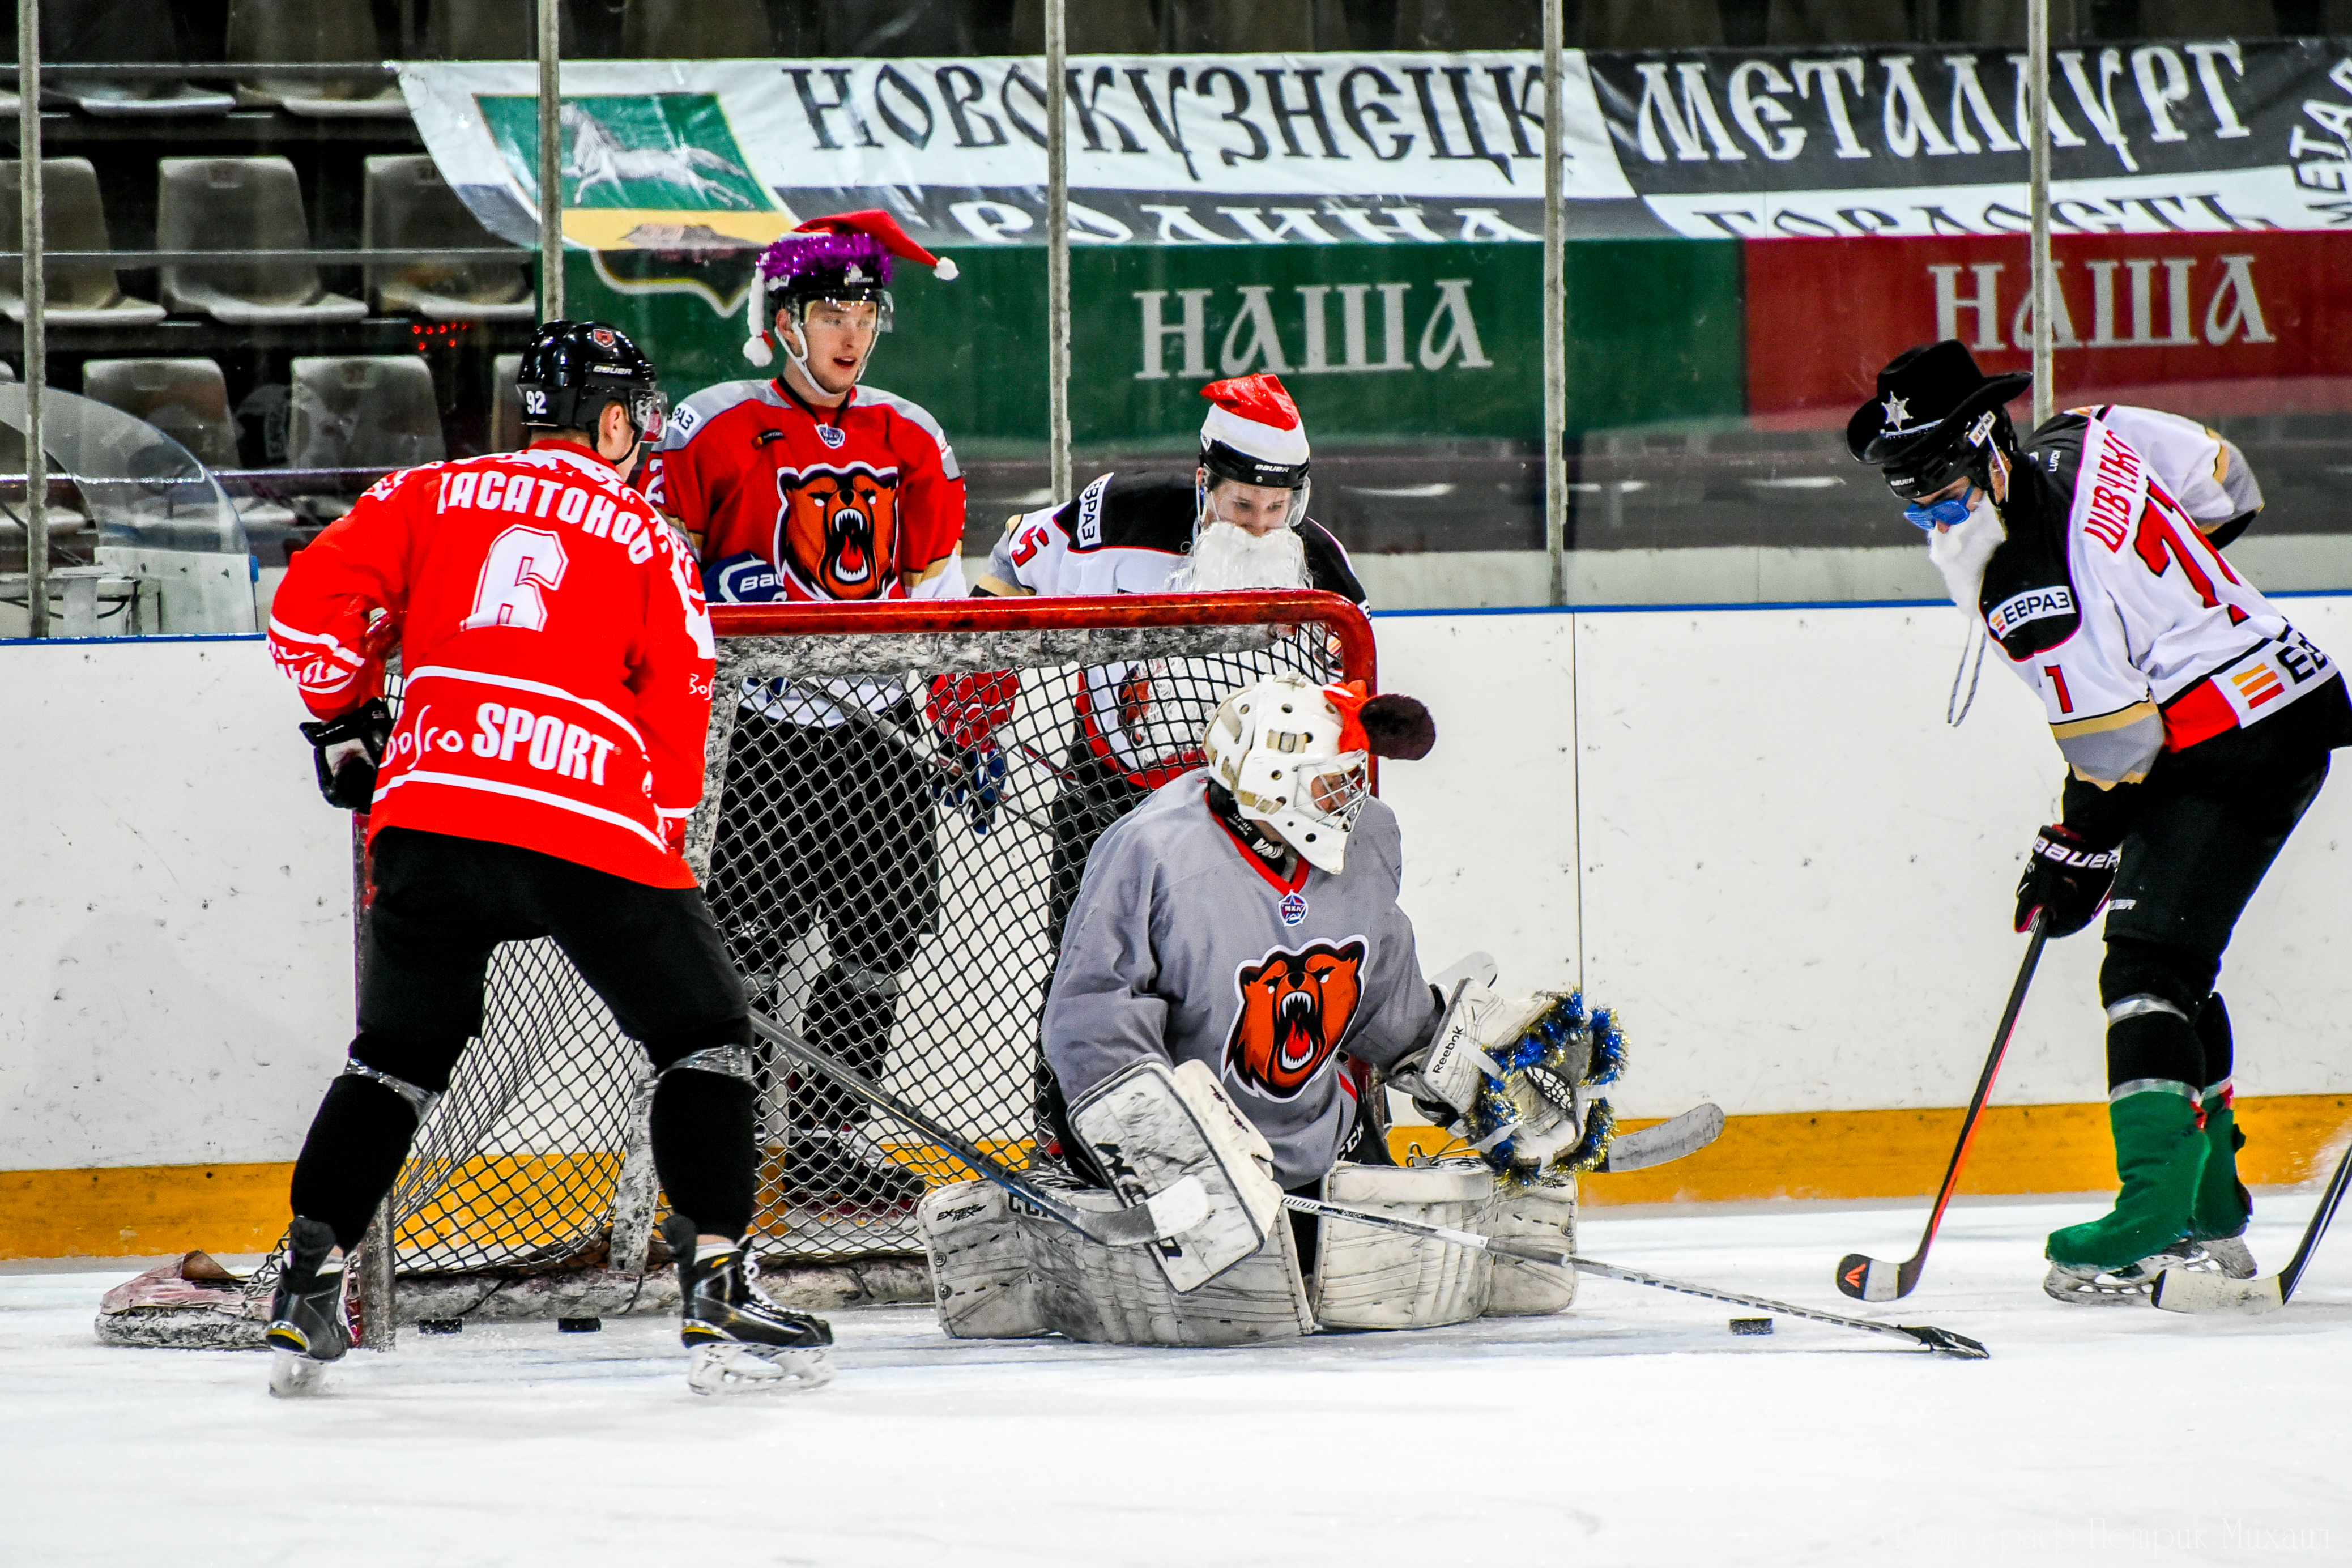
[[1565, 1049]]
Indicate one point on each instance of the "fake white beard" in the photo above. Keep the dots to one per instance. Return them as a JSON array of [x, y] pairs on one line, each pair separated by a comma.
[[1961, 552], [1227, 558]]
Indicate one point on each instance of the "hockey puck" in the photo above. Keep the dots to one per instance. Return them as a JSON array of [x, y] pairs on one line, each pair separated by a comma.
[[440, 1325], [1752, 1325], [579, 1325]]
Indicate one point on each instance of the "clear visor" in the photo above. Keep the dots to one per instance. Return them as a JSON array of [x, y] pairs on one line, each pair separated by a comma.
[[649, 411], [884, 311]]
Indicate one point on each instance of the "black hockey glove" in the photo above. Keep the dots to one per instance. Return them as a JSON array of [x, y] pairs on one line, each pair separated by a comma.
[[2066, 879], [345, 751]]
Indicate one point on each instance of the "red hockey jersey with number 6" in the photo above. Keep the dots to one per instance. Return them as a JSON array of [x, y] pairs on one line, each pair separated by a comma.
[[555, 651]]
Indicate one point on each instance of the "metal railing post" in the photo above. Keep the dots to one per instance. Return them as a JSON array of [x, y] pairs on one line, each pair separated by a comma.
[[2044, 282], [551, 160], [1057, 244], [30, 208], [1555, 316]]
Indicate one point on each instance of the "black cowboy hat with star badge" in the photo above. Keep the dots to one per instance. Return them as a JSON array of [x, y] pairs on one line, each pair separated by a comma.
[[1928, 398]]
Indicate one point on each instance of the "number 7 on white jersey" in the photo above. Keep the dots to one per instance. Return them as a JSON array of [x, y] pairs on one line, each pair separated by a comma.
[[524, 565]]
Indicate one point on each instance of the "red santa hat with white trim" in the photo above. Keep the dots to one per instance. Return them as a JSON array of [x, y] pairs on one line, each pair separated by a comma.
[[842, 255], [1253, 433]]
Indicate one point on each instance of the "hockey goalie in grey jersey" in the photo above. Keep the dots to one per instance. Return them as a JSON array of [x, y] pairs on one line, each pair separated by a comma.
[[1236, 967]]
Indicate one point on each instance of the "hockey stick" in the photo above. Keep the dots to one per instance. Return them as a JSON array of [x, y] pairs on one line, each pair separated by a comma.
[[1864, 1278], [1941, 1341], [1176, 1208], [1685, 1134], [2200, 1290]]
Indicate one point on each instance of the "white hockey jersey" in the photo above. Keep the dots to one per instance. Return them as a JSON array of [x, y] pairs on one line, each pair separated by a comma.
[[2107, 600], [1184, 945], [2200, 468], [1127, 533]]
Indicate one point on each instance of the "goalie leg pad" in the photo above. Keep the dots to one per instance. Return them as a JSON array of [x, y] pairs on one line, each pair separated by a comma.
[[1545, 1215], [1367, 1279], [1000, 1271], [1150, 1127]]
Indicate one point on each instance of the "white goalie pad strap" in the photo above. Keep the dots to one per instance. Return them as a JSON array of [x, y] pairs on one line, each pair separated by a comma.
[[1000, 1271], [1368, 1278], [1150, 1127], [1545, 1216]]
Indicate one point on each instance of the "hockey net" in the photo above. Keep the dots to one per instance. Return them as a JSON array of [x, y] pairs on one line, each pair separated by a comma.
[[838, 846]]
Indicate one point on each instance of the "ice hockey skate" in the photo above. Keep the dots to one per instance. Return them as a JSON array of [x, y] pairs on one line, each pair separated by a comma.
[[827, 1170], [308, 1326], [742, 1343], [2160, 1153]]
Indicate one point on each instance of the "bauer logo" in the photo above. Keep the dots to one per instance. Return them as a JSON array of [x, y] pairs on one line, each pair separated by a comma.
[[2033, 604], [744, 579]]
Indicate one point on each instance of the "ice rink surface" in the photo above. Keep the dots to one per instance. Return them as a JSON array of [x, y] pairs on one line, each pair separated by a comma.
[[1634, 1429]]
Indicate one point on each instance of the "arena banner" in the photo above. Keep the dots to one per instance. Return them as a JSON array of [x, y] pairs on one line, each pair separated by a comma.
[[2213, 135], [2254, 322]]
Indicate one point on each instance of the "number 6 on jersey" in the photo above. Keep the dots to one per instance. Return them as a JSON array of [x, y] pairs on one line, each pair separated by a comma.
[[524, 564]]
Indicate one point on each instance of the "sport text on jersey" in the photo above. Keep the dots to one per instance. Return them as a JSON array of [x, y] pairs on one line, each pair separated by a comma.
[[2033, 604]]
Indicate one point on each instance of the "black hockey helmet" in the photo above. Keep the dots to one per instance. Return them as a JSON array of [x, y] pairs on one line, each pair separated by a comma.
[[572, 369], [1935, 417]]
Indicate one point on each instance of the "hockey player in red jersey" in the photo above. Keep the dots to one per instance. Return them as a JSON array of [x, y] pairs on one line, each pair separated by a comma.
[[811, 486], [2196, 724], [557, 662]]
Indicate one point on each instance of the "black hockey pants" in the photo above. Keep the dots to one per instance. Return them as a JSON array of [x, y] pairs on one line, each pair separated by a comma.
[[439, 906], [2205, 830], [832, 826]]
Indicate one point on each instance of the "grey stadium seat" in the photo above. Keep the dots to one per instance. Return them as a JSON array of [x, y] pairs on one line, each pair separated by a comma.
[[695, 30], [1100, 27], [305, 32], [409, 206], [241, 203], [188, 399], [1837, 22], [80, 293], [374, 411], [121, 32]]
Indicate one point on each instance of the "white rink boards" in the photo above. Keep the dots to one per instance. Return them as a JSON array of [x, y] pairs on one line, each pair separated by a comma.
[[1747, 789]]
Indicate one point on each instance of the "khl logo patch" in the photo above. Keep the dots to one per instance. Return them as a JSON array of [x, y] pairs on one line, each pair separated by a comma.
[[1293, 908]]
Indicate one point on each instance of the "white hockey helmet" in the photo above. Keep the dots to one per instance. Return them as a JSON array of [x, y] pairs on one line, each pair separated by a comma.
[[1294, 754]]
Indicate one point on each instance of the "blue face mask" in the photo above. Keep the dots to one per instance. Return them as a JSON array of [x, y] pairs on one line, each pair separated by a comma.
[[1951, 511]]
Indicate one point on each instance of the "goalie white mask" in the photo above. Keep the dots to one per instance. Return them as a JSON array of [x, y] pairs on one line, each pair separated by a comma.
[[1295, 756]]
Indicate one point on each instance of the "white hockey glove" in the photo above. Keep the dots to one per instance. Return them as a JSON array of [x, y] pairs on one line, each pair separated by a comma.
[[1150, 1126]]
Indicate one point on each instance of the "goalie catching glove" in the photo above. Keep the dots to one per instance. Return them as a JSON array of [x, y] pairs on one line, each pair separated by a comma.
[[346, 751], [1510, 1079]]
